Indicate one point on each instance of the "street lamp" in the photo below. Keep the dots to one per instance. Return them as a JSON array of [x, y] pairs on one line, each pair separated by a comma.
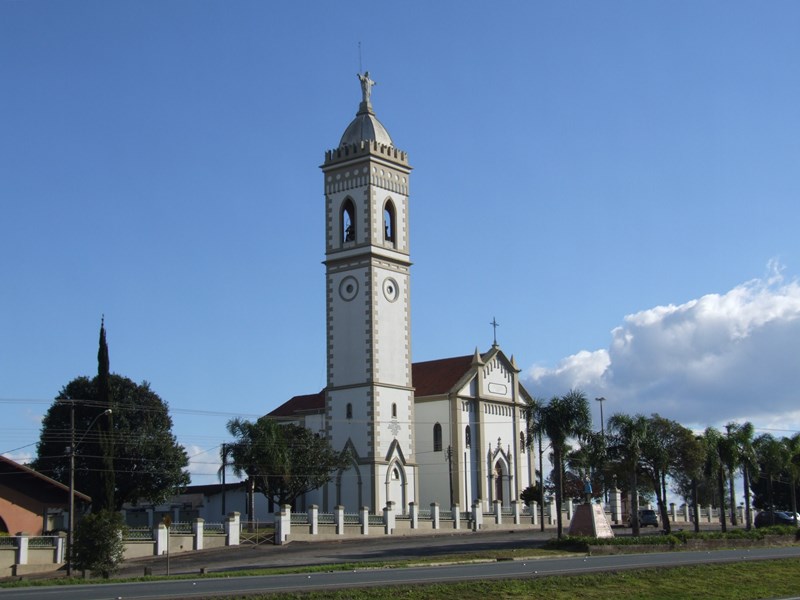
[[72, 448], [603, 431]]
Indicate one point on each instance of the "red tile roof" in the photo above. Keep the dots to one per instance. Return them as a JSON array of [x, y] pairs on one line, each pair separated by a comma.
[[430, 378], [20, 477], [439, 376], [300, 404]]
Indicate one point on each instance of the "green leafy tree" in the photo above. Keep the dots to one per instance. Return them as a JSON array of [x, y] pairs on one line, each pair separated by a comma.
[[148, 463], [773, 458], [668, 449], [98, 545], [588, 462], [564, 417], [283, 461], [626, 438]]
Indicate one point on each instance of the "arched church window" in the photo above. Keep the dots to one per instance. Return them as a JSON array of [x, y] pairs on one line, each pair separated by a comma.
[[348, 221], [395, 474], [437, 438], [394, 410], [389, 233], [521, 441], [349, 411], [467, 436]]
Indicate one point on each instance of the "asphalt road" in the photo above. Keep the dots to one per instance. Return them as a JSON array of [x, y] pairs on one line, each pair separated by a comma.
[[201, 588]]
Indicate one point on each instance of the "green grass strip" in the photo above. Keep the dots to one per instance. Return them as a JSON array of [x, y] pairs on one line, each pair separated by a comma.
[[729, 581]]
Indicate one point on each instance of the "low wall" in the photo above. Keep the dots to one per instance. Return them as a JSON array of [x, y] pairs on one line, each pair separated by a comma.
[[313, 525], [139, 549], [22, 554], [8, 557]]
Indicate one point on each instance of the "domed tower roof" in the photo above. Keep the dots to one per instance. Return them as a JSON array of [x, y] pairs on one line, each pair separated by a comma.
[[366, 126]]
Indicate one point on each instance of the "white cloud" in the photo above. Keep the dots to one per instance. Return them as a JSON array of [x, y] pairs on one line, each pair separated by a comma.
[[722, 357], [23, 458], [203, 463]]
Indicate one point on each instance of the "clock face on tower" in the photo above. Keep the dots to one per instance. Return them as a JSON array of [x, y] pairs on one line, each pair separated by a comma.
[[391, 290]]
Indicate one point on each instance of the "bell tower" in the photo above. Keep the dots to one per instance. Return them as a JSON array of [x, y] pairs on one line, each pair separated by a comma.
[[369, 398]]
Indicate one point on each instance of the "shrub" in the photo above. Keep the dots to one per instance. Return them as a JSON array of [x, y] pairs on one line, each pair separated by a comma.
[[98, 545], [530, 494]]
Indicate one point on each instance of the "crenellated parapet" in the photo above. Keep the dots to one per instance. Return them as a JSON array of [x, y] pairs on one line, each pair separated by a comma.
[[363, 148]]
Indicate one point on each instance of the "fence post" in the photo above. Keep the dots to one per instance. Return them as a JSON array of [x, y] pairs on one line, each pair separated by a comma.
[[616, 505], [413, 512], [60, 546], [454, 510], [710, 514], [435, 514], [477, 515], [364, 518], [570, 509], [283, 525], [198, 530], [313, 519], [232, 529], [534, 508], [388, 518], [22, 548], [162, 538], [498, 512], [515, 509], [338, 518]]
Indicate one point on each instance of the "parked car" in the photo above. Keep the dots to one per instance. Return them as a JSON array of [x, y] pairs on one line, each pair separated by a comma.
[[646, 517], [773, 517]]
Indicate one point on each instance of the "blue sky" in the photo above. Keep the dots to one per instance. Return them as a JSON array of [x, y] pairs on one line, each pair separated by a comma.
[[615, 182]]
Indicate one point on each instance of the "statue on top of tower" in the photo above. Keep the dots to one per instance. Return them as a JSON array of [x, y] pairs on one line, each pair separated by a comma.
[[366, 86]]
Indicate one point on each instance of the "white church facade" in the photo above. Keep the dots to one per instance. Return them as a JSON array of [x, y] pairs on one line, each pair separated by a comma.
[[450, 431]]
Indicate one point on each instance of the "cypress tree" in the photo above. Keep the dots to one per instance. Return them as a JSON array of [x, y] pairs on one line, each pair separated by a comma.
[[106, 425]]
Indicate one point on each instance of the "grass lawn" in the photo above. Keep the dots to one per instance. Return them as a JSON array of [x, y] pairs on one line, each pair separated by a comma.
[[731, 581]]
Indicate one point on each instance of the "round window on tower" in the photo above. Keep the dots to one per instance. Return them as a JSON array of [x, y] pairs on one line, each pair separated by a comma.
[[390, 289], [348, 288]]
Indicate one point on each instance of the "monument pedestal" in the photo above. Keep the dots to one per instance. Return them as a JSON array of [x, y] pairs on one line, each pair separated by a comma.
[[590, 520]]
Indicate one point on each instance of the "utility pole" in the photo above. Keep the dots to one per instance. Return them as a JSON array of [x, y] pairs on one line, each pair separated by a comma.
[[224, 465], [541, 480], [72, 449], [449, 456], [71, 524], [603, 431]]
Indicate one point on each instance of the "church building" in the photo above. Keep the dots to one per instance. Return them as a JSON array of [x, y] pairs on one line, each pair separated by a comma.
[[450, 431]]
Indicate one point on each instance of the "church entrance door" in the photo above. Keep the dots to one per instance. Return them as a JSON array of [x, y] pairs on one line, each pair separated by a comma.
[[498, 482]]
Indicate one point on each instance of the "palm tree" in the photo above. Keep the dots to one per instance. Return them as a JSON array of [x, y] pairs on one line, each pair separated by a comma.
[[792, 445], [729, 455], [772, 460], [562, 418], [247, 453], [715, 467], [743, 437], [626, 437], [533, 421]]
